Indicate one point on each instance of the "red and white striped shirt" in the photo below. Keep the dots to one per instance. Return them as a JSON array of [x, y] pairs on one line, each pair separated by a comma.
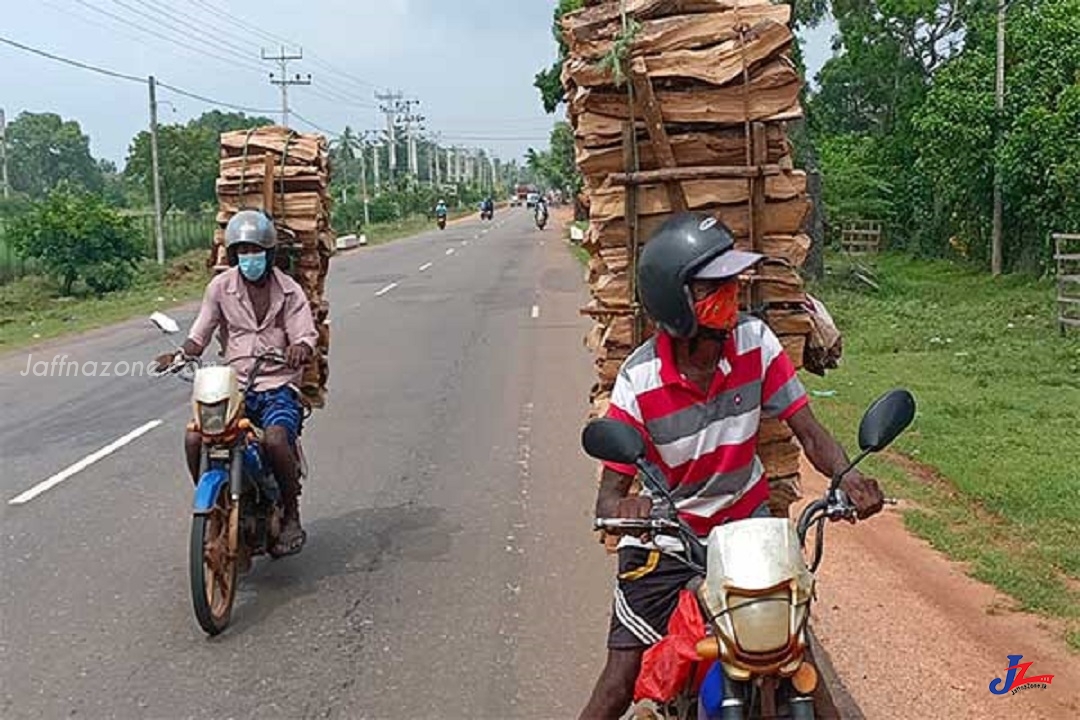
[[706, 442]]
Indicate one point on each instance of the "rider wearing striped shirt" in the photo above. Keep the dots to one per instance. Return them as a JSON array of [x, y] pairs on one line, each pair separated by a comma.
[[697, 391]]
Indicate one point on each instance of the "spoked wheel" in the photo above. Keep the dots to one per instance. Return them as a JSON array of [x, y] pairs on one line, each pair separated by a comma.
[[213, 564]]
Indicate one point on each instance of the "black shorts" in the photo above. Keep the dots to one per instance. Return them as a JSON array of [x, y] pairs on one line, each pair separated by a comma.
[[647, 593]]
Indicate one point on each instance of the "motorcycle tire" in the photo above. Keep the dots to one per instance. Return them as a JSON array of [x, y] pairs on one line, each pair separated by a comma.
[[213, 572]]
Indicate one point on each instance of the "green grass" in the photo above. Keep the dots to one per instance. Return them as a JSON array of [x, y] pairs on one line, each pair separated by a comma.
[[31, 309], [991, 462]]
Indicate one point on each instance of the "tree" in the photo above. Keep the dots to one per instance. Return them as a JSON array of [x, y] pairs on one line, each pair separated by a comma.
[[1038, 155], [76, 235], [187, 156], [549, 80], [44, 150]]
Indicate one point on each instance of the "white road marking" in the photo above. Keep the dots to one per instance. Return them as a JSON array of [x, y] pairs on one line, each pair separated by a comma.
[[425, 266], [535, 311], [86, 462], [386, 289], [464, 242], [449, 251]]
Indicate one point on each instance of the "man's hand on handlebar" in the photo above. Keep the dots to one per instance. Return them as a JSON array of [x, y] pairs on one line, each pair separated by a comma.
[[864, 493], [296, 356]]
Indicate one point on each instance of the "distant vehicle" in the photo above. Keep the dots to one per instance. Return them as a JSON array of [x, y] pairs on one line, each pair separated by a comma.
[[532, 199]]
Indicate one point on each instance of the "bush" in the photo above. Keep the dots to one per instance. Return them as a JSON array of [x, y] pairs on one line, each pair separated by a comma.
[[75, 235]]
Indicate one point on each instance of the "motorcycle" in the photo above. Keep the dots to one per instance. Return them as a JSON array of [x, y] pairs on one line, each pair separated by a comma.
[[541, 217], [440, 220], [487, 213], [754, 582], [238, 505]]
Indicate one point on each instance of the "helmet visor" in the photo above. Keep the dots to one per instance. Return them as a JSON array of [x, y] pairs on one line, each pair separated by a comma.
[[728, 265]]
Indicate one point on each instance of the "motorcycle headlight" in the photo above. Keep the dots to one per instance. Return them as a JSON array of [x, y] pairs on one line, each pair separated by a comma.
[[212, 417]]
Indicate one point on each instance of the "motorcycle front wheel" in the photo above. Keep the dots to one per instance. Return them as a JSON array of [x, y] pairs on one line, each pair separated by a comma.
[[212, 564]]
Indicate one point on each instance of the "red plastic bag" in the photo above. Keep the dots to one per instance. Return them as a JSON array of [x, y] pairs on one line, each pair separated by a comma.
[[666, 666]]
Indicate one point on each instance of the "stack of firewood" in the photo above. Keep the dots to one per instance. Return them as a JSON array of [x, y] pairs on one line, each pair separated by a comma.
[[684, 104], [286, 174]]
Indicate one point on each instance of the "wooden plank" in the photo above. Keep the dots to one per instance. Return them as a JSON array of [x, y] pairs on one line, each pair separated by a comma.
[[607, 203], [725, 147], [1072, 322], [679, 32], [1069, 300], [774, 94], [654, 123], [268, 183], [1065, 236], [716, 65], [704, 172], [1068, 256]]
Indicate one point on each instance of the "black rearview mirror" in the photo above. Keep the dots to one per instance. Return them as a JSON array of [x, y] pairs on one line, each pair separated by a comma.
[[613, 441], [883, 422]]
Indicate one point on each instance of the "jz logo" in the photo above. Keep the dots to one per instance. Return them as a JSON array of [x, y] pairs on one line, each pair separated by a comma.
[[1016, 678]]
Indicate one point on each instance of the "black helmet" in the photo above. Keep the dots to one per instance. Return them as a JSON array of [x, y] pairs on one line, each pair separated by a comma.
[[688, 246], [250, 227]]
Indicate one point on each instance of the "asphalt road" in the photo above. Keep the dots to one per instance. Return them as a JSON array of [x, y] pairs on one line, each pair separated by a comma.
[[450, 571]]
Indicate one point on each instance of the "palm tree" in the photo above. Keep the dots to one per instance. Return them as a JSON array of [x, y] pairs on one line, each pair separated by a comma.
[[345, 147]]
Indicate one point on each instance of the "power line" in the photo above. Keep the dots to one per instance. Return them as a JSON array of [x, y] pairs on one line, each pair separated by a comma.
[[130, 78], [330, 133], [211, 101], [166, 38], [74, 63], [180, 25], [278, 39]]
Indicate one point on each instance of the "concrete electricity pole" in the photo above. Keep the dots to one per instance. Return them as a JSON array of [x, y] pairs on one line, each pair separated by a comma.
[[999, 106], [411, 122], [375, 165], [391, 106], [159, 230], [3, 151], [363, 178], [285, 81]]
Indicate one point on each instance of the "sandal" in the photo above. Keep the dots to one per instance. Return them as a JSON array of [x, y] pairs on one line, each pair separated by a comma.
[[290, 541]]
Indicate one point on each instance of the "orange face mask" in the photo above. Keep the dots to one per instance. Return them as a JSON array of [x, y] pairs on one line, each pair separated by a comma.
[[720, 310]]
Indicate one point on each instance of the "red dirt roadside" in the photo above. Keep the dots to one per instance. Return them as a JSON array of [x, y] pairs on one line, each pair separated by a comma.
[[913, 637]]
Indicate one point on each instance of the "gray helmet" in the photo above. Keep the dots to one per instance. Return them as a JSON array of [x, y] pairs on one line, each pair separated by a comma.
[[250, 227], [688, 246]]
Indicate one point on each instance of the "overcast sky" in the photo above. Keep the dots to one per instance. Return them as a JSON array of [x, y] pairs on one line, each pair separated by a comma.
[[470, 62]]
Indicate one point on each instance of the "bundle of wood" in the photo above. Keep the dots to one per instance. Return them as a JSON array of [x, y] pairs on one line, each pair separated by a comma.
[[683, 105], [286, 174]]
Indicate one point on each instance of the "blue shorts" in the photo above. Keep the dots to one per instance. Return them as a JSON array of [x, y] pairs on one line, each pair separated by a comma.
[[279, 407]]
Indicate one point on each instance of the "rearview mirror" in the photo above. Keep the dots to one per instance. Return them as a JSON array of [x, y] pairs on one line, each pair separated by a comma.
[[613, 441], [165, 323], [883, 422]]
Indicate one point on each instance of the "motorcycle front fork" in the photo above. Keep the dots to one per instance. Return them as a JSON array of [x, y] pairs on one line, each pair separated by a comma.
[[734, 707]]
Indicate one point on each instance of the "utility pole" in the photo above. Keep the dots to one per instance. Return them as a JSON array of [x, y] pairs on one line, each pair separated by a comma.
[[411, 120], [391, 106], [282, 59], [375, 165], [363, 178], [159, 230], [3, 151], [999, 106]]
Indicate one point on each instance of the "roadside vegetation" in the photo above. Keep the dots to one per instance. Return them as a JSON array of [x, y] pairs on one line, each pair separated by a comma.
[[77, 242], [989, 472]]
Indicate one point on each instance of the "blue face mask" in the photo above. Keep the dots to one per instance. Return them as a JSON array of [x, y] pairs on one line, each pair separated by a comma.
[[253, 267]]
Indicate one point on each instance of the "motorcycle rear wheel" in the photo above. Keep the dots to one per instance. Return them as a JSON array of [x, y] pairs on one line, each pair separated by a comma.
[[213, 566]]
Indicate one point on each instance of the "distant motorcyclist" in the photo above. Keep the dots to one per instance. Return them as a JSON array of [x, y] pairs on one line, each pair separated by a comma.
[[440, 210]]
